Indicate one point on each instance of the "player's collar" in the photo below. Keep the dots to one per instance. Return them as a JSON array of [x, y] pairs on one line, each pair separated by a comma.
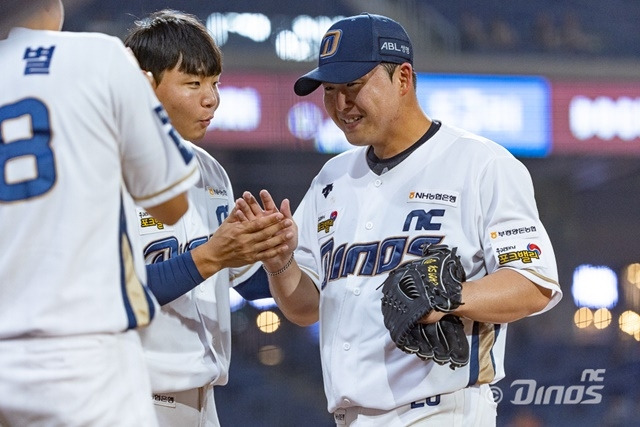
[[380, 166]]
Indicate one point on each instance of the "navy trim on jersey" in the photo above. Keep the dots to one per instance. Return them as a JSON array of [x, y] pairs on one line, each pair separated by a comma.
[[133, 321], [474, 362], [474, 356], [173, 278], [255, 287]]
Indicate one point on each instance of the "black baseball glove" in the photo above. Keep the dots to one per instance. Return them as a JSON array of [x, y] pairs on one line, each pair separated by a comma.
[[412, 290], [444, 342]]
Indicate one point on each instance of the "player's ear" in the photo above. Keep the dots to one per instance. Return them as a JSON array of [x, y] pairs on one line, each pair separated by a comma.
[[405, 76], [152, 80]]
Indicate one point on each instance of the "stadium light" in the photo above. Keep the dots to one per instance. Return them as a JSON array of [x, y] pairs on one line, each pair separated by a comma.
[[595, 287]]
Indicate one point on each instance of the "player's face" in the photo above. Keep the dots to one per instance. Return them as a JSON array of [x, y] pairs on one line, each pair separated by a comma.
[[190, 101], [366, 110]]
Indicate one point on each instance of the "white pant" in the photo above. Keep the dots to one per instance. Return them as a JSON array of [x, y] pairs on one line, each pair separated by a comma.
[[469, 407], [189, 408], [91, 380]]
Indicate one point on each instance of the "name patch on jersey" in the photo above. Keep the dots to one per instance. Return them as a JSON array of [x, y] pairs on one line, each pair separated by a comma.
[[326, 223], [441, 197], [217, 193], [38, 60], [148, 224]]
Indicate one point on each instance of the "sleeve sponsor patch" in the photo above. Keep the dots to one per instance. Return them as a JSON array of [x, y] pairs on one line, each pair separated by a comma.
[[513, 230], [516, 253], [147, 224]]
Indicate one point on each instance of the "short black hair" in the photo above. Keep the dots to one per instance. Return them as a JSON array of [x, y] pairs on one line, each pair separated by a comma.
[[391, 68], [169, 37]]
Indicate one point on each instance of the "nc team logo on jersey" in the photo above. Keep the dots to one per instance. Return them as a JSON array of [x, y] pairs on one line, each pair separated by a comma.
[[527, 256], [449, 198], [325, 224], [148, 224]]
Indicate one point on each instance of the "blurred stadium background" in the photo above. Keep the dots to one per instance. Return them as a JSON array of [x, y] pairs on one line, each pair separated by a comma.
[[558, 83]]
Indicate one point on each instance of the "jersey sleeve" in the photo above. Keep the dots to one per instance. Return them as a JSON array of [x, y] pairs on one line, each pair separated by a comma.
[[157, 164], [256, 286], [306, 254], [514, 237]]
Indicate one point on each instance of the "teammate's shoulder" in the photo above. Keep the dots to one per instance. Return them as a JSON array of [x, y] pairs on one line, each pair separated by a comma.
[[90, 38], [202, 154], [64, 37], [208, 164], [90, 47]]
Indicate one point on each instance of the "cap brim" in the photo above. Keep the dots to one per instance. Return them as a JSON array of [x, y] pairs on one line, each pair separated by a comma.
[[335, 72]]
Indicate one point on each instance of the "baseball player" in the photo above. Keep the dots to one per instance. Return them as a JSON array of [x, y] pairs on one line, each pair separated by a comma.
[[189, 344], [410, 181], [80, 129]]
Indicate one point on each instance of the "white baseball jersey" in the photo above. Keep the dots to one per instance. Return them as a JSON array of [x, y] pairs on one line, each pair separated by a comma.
[[188, 345], [79, 124], [355, 226]]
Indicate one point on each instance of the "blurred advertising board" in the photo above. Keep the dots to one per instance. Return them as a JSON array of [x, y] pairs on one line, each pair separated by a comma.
[[530, 115], [596, 117]]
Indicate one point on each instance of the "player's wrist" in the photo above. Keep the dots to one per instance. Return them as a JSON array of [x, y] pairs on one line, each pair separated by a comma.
[[206, 264], [272, 272]]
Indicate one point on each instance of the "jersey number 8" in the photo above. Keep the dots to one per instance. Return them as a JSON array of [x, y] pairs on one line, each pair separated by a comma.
[[17, 157]]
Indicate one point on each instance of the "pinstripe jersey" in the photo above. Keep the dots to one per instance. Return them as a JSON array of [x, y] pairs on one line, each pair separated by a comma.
[[80, 128], [188, 345], [355, 226]]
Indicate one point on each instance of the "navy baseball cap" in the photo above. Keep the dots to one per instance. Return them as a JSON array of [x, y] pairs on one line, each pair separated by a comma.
[[352, 47]]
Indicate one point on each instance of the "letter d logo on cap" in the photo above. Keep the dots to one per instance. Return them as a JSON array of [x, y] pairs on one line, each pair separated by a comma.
[[330, 43]]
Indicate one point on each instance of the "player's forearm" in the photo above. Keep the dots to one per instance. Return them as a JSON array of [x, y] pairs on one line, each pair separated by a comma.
[[296, 295], [502, 297], [173, 278]]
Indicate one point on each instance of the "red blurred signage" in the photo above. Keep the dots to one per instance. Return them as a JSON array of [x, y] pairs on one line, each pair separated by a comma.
[[259, 110], [595, 117]]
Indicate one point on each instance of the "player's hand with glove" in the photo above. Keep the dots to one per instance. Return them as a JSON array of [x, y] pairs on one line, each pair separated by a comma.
[[444, 342], [413, 290]]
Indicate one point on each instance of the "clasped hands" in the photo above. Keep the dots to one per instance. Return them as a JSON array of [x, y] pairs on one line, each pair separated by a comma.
[[275, 230], [250, 233]]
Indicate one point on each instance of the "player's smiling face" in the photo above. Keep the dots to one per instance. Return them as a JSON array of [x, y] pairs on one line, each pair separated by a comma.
[[190, 101], [367, 109]]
